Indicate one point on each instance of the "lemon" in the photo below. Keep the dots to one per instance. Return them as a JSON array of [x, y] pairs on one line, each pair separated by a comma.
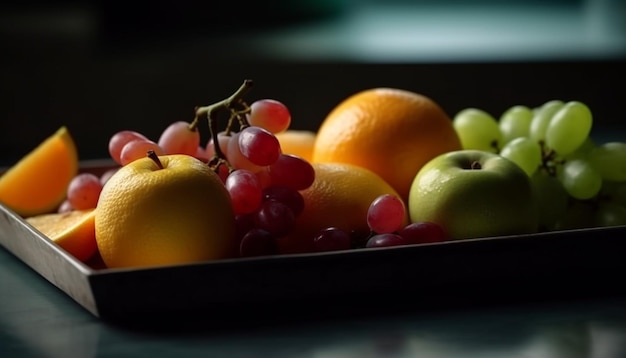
[[339, 197], [171, 211]]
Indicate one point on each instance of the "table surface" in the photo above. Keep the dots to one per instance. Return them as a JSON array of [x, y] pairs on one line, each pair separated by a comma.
[[39, 320]]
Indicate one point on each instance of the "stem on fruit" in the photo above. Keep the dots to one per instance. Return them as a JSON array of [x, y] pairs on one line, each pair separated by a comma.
[[152, 155], [475, 165], [193, 126], [236, 109]]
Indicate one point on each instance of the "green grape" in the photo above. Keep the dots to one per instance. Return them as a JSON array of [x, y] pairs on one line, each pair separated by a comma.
[[569, 128], [609, 160], [541, 119], [477, 129], [579, 215], [515, 123], [551, 199], [524, 152], [610, 214], [580, 180], [614, 192], [582, 151]]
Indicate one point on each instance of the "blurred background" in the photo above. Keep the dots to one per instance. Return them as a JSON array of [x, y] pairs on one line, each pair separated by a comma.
[[102, 66]]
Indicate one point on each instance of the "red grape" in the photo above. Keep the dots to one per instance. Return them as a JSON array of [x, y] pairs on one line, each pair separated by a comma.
[[245, 191], [264, 177], [423, 232], [201, 154], [275, 217], [259, 146], [243, 224], [178, 138], [292, 171], [257, 242], [386, 214], [236, 158], [65, 207], [139, 149], [332, 239], [290, 197], [386, 240], [269, 114], [119, 140], [223, 173], [83, 191]]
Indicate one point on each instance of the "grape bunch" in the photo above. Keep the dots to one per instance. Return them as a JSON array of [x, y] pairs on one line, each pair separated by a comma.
[[264, 184], [578, 183]]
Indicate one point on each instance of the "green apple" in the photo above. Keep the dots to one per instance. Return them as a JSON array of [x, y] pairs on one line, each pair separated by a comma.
[[474, 194]]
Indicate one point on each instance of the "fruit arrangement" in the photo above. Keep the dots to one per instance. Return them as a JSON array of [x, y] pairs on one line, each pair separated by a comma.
[[387, 167]]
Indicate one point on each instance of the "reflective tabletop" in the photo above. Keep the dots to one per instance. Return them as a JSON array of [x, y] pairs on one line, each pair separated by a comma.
[[39, 320]]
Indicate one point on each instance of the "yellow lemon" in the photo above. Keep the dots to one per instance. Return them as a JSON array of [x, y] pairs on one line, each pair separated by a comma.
[[165, 211]]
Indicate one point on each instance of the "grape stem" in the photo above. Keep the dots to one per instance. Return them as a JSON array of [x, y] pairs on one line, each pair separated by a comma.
[[549, 160], [236, 109]]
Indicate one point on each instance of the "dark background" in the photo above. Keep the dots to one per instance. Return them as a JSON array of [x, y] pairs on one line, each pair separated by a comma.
[[102, 66]]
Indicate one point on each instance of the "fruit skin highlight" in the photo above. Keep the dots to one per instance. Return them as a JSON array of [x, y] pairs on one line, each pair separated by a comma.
[[151, 216], [474, 194], [38, 182], [389, 131]]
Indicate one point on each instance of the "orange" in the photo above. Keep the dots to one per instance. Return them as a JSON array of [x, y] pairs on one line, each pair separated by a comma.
[[176, 213], [340, 197], [389, 131], [297, 142], [38, 182], [74, 231]]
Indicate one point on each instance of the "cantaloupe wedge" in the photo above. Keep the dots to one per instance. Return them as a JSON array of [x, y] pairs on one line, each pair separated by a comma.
[[38, 182], [74, 231]]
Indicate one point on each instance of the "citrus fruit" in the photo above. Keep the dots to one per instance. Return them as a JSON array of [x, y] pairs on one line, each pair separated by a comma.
[[74, 231], [37, 183], [390, 131], [172, 210], [339, 197], [297, 142]]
